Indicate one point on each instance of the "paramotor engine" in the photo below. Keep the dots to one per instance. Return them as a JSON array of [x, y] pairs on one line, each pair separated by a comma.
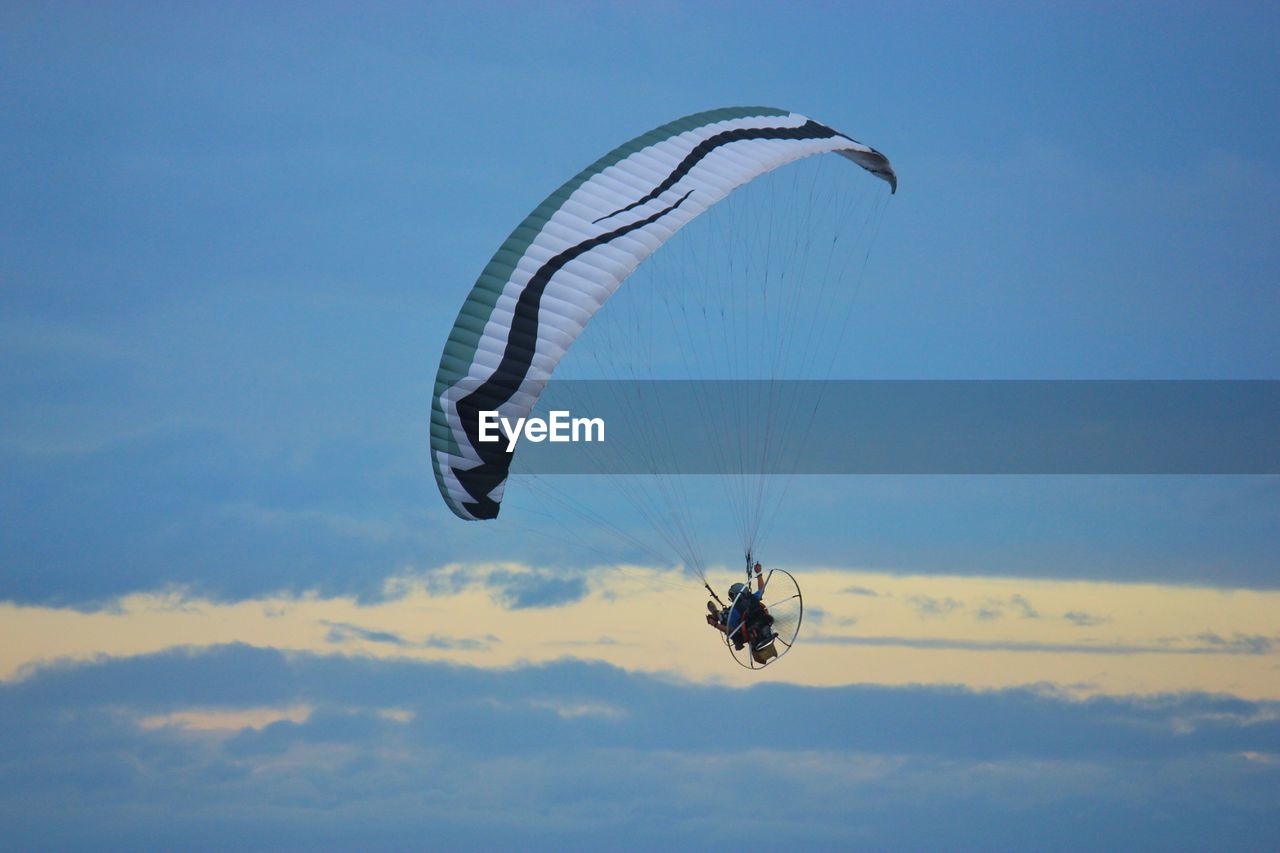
[[784, 604]]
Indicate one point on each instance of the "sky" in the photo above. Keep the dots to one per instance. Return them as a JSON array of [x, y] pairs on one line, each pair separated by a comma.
[[235, 611]]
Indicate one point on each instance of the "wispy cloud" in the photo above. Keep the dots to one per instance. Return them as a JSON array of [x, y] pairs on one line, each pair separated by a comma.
[[995, 608], [927, 605], [1023, 607], [512, 585], [1209, 645], [533, 589], [1254, 644], [586, 644], [1084, 620], [343, 632]]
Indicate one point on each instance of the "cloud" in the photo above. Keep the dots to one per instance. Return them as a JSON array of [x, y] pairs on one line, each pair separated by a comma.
[[341, 632], [1250, 644], [1084, 620], [455, 697], [1209, 644], [995, 608], [989, 610], [344, 632], [572, 753], [1023, 607], [519, 590], [512, 585], [927, 605], [602, 640], [815, 616], [860, 590], [326, 726]]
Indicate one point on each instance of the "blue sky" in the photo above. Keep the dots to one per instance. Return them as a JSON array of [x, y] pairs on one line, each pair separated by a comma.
[[233, 238]]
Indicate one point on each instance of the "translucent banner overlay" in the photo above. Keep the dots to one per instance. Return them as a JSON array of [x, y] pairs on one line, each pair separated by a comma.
[[913, 427]]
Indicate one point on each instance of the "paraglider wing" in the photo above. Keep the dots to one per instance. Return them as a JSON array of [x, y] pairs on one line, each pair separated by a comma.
[[565, 260]]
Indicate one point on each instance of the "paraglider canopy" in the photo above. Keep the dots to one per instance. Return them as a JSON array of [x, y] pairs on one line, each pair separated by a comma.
[[564, 261]]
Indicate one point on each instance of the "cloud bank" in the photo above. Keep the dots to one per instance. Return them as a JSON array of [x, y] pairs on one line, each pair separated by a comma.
[[396, 754]]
